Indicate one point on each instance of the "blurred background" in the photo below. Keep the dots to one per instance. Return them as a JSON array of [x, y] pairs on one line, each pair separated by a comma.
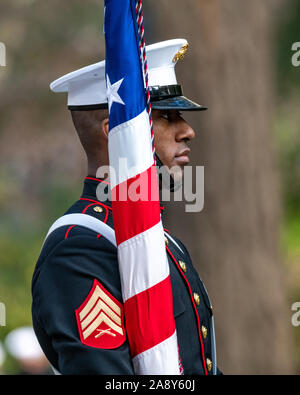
[[246, 242]]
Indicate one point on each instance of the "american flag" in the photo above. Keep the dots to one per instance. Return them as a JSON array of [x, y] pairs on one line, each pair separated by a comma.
[[143, 264]]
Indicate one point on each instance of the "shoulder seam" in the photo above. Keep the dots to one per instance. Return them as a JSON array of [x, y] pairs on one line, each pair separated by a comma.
[[50, 255], [83, 212]]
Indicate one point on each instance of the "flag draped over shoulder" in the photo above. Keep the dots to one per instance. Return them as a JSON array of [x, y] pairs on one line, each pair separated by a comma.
[[143, 264]]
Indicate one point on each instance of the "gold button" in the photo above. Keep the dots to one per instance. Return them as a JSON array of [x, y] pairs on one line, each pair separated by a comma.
[[204, 331], [182, 265], [98, 209], [166, 241], [208, 364], [196, 298]]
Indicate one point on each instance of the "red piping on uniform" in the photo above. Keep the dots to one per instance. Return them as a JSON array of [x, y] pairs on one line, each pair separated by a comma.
[[106, 216], [89, 205], [195, 308], [72, 226], [97, 179], [83, 211], [67, 232], [96, 201]]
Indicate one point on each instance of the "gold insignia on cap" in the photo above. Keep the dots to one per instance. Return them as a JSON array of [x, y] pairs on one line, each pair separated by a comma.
[[181, 53]]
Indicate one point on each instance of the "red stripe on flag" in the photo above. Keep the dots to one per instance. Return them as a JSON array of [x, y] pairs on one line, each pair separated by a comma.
[[149, 317], [136, 205]]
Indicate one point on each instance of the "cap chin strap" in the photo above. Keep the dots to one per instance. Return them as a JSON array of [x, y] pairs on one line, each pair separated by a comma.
[[165, 177]]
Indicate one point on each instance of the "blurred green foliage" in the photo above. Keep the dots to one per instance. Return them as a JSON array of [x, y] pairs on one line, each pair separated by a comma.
[[287, 32], [287, 137], [44, 40], [287, 120]]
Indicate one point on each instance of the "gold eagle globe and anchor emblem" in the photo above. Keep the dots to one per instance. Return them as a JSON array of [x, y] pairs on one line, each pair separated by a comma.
[[181, 53]]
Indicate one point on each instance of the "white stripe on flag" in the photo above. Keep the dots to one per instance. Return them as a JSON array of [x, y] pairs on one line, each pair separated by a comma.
[[143, 261], [129, 146], [160, 359]]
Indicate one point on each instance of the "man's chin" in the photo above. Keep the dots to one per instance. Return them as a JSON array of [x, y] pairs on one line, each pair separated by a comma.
[[181, 160], [171, 178]]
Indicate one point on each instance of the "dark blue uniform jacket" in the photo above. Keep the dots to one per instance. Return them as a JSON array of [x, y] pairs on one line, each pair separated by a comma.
[[71, 259]]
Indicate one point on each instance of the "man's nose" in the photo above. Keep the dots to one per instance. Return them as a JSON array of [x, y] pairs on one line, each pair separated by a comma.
[[185, 131]]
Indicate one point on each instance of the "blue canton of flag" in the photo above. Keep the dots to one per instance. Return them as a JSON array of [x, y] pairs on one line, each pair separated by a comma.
[[124, 76]]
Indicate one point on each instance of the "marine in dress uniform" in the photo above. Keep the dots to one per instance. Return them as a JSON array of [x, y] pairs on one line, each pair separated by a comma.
[[76, 279]]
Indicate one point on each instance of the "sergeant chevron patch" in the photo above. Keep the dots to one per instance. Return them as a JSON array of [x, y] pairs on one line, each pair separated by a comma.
[[100, 319]]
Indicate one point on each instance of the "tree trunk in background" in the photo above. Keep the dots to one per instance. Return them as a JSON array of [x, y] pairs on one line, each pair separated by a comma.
[[234, 241]]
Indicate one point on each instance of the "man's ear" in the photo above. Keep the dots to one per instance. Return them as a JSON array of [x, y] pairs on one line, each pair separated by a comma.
[[105, 127]]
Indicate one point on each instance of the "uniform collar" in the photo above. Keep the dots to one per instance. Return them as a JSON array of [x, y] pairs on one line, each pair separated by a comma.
[[90, 191]]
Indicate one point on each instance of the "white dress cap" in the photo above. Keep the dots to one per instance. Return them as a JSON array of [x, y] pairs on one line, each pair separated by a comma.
[[87, 86]]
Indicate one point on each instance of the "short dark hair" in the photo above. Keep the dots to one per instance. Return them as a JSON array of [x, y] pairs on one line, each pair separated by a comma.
[[87, 126]]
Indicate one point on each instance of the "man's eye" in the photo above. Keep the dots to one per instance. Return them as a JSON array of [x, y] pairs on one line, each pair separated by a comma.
[[171, 116]]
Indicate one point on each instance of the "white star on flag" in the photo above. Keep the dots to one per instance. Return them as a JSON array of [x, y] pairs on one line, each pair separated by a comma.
[[112, 92]]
